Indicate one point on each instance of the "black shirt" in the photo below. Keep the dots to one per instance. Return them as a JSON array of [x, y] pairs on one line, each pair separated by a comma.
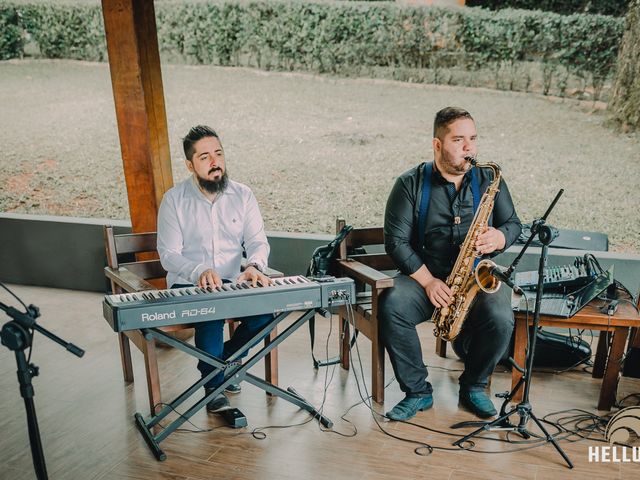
[[443, 237]]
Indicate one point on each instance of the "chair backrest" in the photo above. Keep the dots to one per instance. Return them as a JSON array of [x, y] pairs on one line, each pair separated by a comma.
[[137, 252], [365, 245]]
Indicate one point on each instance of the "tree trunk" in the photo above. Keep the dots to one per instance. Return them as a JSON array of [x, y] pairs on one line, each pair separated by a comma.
[[625, 102]]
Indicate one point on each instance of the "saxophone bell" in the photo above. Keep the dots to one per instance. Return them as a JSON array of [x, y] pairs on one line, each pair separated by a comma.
[[487, 282]]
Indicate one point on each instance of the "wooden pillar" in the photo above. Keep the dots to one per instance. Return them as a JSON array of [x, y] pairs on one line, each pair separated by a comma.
[[134, 62]]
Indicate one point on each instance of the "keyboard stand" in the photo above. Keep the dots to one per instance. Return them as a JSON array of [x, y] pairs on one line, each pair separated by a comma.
[[234, 373]]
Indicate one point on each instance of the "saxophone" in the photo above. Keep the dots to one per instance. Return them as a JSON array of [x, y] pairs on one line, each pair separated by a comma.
[[465, 281]]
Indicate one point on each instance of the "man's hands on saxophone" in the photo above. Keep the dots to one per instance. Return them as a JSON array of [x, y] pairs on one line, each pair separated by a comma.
[[490, 240], [438, 292]]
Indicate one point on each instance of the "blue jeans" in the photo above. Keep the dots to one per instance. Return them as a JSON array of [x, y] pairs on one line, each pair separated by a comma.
[[210, 335]]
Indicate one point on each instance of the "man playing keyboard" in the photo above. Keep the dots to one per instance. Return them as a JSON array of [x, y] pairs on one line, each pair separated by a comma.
[[205, 223]]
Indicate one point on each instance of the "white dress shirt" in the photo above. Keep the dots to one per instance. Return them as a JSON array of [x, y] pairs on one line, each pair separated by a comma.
[[195, 234]]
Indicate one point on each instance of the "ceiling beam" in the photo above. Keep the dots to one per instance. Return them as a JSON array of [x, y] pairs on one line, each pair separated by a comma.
[[134, 63]]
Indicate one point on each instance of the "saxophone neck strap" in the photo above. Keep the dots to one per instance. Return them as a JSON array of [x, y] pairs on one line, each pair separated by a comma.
[[426, 196]]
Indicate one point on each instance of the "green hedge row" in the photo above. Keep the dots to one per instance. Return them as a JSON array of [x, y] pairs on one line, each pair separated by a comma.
[[66, 31], [566, 7], [11, 40], [344, 37]]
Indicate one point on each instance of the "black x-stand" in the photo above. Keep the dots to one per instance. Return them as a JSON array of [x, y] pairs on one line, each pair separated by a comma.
[[524, 410], [17, 336]]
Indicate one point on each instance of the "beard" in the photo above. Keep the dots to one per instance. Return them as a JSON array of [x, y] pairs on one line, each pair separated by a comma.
[[214, 186], [450, 166]]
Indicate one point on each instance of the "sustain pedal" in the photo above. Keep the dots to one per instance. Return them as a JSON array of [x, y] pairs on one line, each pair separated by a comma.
[[234, 417]]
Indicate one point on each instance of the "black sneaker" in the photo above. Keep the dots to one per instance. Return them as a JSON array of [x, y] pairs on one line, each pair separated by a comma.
[[233, 388], [220, 402]]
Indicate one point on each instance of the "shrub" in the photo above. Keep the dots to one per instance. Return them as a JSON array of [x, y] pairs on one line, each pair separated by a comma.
[[566, 7], [355, 37], [11, 40], [66, 31]]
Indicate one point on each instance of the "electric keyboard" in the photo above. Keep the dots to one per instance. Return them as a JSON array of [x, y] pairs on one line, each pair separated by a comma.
[[159, 308], [560, 277]]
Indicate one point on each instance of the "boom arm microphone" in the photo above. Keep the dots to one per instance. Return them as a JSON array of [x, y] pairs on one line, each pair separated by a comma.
[[500, 274]]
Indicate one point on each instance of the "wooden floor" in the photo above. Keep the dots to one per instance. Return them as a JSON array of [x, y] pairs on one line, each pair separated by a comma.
[[85, 413]]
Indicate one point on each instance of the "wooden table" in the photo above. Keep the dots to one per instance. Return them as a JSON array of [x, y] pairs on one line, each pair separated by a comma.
[[589, 318]]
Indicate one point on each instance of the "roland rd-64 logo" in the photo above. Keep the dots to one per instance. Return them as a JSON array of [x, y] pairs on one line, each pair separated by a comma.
[[172, 315]]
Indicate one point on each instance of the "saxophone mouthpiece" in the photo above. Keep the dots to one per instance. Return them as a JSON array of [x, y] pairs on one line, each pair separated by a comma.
[[472, 160]]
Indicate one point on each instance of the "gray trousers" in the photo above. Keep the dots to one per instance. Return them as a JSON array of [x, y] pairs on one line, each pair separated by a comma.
[[488, 329]]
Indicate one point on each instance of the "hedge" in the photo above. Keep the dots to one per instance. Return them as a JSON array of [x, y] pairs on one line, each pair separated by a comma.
[[566, 7], [346, 37], [11, 40]]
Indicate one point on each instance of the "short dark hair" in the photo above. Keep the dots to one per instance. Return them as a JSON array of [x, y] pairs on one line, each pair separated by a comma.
[[446, 116], [197, 133]]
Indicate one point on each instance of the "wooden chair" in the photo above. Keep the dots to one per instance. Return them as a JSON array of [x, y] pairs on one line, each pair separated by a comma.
[[362, 258], [133, 266], [366, 270]]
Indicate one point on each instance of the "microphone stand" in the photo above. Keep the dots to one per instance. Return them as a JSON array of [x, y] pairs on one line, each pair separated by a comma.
[[524, 410], [16, 336]]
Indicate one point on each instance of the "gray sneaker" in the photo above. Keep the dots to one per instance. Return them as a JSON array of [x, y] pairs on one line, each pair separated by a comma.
[[220, 402]]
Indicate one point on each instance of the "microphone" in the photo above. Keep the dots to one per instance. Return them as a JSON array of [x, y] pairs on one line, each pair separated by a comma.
[[499, 274]]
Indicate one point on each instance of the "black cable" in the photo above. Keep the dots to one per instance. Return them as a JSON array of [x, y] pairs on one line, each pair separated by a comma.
[[580, 424], [423, 448], [30, 331], [561, 434], [258, 432], [326, 387], [620, 404], [583, 425], [14, 295], [184, 430]]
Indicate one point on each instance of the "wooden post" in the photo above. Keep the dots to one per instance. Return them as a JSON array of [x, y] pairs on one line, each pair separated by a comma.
[[134, 62]]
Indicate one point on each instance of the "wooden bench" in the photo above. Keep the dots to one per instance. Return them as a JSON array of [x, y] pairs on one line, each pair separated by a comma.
[[133, 266]]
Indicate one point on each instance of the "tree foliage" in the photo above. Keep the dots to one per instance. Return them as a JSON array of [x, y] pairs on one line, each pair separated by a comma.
[[625, 104]]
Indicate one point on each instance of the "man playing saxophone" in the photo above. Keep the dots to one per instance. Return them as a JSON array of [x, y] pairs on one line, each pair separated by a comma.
[[424, 240]]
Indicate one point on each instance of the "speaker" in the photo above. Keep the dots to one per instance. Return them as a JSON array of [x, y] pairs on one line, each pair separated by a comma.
[[553, 350]]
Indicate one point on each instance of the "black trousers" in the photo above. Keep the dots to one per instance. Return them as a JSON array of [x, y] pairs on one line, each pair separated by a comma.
[[488, 329]]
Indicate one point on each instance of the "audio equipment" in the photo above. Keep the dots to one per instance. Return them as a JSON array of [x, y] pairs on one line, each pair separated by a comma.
[[566, 304], [559, 277]]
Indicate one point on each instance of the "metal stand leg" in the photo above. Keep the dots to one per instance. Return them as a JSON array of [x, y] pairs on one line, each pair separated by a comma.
[[234, 372]]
